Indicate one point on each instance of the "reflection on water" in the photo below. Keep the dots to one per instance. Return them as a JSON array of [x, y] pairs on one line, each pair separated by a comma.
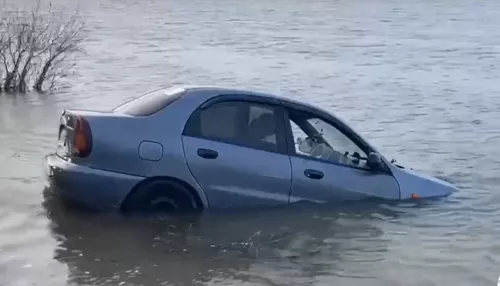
[[295, 242]]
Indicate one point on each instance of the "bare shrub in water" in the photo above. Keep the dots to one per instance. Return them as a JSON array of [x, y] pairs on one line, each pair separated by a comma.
[[35, 46]]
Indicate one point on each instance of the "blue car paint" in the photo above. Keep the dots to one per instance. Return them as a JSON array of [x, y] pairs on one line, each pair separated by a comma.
[[238, 178], [423, 185], [150, 151], [340, 183], [93, 188]]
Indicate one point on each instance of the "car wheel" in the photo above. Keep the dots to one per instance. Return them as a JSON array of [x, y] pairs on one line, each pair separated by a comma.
[[161, 197]]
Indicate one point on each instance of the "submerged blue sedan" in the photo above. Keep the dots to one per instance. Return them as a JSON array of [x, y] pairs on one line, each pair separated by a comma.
[[185, 149]]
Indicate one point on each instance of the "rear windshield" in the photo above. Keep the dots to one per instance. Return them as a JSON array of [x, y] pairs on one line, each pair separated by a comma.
[[150, 103]]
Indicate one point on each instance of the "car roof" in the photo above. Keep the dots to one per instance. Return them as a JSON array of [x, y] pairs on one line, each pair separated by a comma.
[[212, 91]]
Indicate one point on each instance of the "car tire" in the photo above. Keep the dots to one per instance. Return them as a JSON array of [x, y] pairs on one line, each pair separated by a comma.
[[161, 197]]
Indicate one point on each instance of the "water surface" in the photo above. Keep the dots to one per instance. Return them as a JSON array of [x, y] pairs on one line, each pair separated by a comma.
[[419, 79]]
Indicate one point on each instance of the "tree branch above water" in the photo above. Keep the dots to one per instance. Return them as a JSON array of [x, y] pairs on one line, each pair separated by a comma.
[[35, 47]]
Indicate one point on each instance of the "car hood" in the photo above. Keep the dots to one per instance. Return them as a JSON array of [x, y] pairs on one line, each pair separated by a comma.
[[412, 183]]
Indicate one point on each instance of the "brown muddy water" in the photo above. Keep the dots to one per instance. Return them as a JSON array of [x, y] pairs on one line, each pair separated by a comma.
[[417, 78]]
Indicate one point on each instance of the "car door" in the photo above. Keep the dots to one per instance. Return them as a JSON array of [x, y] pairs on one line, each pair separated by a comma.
[[329, 162], [236, 151]]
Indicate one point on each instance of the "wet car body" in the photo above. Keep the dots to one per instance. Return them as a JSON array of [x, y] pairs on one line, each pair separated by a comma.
[[198, 148]]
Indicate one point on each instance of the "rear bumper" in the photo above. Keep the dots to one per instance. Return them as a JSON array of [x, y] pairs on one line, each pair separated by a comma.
[[96, 189]]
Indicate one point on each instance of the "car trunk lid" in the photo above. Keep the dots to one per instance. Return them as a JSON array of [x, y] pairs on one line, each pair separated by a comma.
[[76, 131]]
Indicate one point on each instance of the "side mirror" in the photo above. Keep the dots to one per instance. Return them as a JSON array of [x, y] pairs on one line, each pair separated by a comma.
[[374, 162]]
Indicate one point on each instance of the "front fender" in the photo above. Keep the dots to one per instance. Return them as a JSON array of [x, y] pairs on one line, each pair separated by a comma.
[[417, 185]]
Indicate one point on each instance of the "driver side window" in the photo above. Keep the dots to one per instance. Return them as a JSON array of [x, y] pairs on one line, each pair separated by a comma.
[[316, 138]]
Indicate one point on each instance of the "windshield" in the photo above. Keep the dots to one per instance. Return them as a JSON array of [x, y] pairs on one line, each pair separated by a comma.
[[150, 103]]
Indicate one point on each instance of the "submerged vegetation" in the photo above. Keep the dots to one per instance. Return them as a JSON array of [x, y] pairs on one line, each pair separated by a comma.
[[35, 47]]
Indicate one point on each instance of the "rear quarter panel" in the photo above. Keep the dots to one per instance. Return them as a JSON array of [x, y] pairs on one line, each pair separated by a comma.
[[117, 139], [114, 143]]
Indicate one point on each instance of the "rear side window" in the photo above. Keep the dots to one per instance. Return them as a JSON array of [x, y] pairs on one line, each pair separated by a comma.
[[219, 122], [247, 124], [150, 103]]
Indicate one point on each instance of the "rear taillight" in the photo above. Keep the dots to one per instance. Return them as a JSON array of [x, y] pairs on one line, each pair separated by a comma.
[[83, 138]]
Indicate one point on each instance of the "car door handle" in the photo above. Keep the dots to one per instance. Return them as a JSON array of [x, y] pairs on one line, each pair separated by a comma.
[[207, 153], [313, 174]]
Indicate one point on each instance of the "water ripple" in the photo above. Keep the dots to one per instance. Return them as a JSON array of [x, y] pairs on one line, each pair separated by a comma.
[[419, 79]]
